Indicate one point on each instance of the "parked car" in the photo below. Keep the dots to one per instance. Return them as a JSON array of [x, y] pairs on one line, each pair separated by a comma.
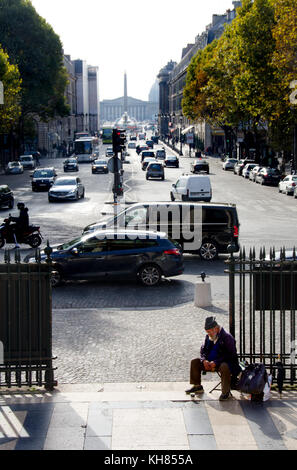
[[66, 188], [43, 178], [239, 166], [146, 161], [288, 185], [229, 164], [150, 144], [155, 170], [268, 176], [27, 161], [207, 229], [254, 171], [6, 197], [247, 168], [14, 168], [70, 164], [192, 188], [161, 154], [121, 254], [99, 166], [200, 165], [146, 154], [171, 160], [132, 145]]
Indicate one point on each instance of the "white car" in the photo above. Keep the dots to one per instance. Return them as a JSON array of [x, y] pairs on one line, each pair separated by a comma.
[[192, 188], [28, 162], [288, 184], [247, 169], [229, 164]]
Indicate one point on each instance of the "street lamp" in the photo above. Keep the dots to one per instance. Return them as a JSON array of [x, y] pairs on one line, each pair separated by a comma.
[[180, 134]]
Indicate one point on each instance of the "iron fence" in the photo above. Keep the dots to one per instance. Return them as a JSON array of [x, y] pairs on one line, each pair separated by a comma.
[[26, 322], [262, 308]]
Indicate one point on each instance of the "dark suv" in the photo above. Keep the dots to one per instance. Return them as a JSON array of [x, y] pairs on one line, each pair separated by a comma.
[[206, 229], [6, 197], [43, 179], [122, 254], [268, 176]]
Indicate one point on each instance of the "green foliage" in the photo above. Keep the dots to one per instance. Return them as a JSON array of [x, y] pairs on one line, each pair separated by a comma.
[[10, 77], [37, 51]]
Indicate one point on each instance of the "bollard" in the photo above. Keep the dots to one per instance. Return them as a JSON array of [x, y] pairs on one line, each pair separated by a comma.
[[202, 293]]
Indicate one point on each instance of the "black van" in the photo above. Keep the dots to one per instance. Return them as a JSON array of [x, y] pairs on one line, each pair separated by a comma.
[[206, 229]]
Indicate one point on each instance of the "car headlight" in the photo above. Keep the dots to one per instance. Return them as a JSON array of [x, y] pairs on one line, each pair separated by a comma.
[[72, 191]]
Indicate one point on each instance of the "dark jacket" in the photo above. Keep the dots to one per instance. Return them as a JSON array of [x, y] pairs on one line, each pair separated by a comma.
[[22, 222], [226, 351]]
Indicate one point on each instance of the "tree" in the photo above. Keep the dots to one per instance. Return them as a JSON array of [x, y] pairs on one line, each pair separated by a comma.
[[10, 77], [34, 47]]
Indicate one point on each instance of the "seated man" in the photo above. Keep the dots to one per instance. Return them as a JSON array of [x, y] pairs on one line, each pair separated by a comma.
[[217, 354]]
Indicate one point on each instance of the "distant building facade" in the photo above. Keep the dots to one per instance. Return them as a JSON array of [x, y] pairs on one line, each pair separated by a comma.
[[112, 110]]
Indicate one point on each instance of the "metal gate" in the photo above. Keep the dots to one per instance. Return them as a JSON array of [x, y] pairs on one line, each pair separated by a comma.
[[262, 308], [25, 323]]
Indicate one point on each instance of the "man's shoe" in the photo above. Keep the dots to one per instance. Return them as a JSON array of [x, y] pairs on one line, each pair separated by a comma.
[[195, 389], [224, 397]]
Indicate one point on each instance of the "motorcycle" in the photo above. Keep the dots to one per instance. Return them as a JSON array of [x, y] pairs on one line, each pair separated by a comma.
[[31, 236]]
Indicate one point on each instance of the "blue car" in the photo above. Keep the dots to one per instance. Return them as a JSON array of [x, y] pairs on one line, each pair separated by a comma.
[[122, 254]]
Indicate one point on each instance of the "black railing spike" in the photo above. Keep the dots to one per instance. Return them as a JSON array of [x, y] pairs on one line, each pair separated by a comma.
[[6, 256], [270, 253], [243, 253], [260, 254], [294, 253], [251, 255], [254, 253], [17, 256], [273, 253], [264, 252]]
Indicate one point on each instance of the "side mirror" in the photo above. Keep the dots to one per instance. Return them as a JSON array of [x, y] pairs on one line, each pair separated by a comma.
[[31, 176], [174, 185]]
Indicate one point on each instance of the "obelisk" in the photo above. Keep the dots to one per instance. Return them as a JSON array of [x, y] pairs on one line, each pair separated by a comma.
[[125, 94]]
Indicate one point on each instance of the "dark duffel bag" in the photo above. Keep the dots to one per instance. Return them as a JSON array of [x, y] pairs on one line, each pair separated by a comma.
[[253, 379]]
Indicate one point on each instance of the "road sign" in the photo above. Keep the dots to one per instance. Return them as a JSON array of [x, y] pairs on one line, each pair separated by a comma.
[[293, 95], [110, 164], [1, 93]]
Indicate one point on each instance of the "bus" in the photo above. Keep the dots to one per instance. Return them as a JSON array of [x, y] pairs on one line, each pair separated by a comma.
[[84, 149], [107, 135]]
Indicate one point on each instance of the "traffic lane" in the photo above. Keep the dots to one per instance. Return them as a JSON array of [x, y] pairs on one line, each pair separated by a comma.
[[267, 218], [143, 190], [130, 294], [61, 221]]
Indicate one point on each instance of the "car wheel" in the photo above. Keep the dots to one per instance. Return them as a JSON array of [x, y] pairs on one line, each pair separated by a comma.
[[150, 275], [262, 182], [56, 278], [83, 194], [172, 197], [184, 198], [50, 199], [208, 251], [10, 205], [34, 241]]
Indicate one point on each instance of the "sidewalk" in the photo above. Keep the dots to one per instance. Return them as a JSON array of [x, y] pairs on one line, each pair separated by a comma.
[[150, 416]]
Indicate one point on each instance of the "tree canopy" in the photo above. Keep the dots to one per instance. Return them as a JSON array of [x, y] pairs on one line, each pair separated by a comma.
[[36, 49], [10, 77]]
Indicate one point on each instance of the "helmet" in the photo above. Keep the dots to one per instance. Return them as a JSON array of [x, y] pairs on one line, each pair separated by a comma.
[[20, 205]]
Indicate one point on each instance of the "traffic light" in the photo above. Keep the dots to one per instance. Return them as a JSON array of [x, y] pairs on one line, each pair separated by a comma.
[[118, 140]]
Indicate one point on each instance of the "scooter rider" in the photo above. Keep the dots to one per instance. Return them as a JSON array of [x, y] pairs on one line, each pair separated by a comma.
[[21, 222]]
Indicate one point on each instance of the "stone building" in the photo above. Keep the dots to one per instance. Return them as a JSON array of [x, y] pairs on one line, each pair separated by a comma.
[[172, 83]]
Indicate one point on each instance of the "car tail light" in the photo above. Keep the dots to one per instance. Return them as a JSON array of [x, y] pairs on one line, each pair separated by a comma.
[[235, 231], [293, 184], [173, 251]]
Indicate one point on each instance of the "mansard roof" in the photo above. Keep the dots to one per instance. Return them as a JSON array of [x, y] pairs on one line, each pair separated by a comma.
[[120, 101]]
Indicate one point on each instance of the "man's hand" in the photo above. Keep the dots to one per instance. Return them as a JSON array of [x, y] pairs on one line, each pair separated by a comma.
[[207, 366], [212, 366]]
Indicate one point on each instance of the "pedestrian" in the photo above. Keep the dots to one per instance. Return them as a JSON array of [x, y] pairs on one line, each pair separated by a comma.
[[218, 353]]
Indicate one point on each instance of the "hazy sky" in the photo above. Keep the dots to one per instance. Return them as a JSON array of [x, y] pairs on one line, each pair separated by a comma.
[[135, 36]]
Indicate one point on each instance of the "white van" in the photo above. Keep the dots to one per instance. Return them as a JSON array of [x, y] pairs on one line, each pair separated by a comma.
[[192, 188], [28, 162]]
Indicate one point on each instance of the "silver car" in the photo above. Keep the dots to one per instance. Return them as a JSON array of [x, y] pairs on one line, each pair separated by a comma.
[[66, 188], [14, 168], [155, 170]]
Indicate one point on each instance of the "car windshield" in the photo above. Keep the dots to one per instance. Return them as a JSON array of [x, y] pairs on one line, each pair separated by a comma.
[[26, 159], [12, 164], [65, 182], [155, 166], [171, 158], [4, 189], [65, 246], [43, 173], [71, 160], [100, 162]]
